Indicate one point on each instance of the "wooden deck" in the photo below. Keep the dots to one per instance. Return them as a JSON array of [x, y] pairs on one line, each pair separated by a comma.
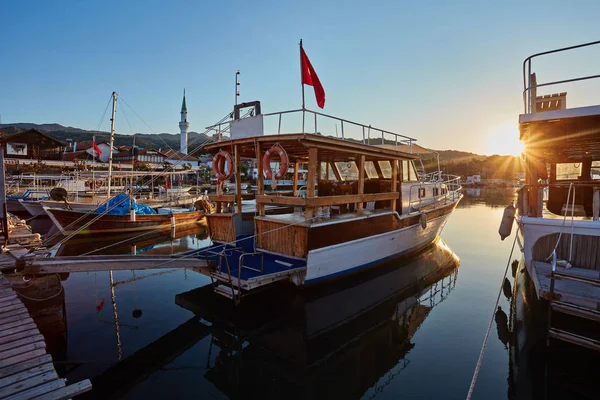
[[582, 294], [26, 370]]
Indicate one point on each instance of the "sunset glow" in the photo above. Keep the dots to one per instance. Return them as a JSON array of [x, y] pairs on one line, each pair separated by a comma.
[[504, 140]]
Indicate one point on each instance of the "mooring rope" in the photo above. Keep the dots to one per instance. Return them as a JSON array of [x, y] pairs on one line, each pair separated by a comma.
[[489, 328]]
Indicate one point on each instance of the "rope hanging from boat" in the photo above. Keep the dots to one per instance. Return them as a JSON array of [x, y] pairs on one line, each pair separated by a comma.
[[489, 328]]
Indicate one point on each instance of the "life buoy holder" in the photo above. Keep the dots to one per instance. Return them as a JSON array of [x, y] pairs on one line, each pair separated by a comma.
[[218, 165], [284, 162]]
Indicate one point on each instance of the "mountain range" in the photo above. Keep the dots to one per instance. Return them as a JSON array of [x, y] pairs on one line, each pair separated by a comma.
[[162, 141]]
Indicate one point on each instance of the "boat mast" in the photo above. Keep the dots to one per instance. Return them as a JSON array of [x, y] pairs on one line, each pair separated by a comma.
[[112, 140]]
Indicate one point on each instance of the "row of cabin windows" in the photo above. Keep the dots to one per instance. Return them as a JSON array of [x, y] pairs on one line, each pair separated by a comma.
[[156, 159], [435, 192], [349, 171]]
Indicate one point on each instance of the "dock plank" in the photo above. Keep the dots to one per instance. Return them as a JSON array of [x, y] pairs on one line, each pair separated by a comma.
[[19, 335], [22, 349], [16, 323], [67, 391], [25, 365], [569, 291], [34, 387], [29, 373], [21, 357], [17, 329], [9, 301], [22, 342], [14, 307], [15, 317]]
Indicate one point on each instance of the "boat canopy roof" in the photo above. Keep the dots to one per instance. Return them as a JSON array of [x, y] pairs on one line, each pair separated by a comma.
[[296, 146]]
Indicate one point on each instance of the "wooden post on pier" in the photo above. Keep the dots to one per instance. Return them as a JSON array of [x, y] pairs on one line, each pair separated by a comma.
[[361, 182], [394, 182], [238, 179], [312, 176], [260, 179], [295, 190]]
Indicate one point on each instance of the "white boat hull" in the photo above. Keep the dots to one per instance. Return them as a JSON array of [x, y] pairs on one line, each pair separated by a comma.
[[345, 258]]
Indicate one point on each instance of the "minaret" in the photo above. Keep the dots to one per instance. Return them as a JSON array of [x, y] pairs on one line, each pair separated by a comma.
[[184, 127]]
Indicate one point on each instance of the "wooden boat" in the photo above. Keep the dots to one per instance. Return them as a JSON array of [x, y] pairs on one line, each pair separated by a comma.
[[559, 206], [71, 221], [363, 204]]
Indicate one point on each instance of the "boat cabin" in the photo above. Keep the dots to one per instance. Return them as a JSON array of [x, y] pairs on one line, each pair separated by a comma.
[[353, 189]]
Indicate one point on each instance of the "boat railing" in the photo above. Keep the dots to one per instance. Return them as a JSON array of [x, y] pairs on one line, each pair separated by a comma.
[[448, 189], [361, 133], [529, 86], [311, 121]]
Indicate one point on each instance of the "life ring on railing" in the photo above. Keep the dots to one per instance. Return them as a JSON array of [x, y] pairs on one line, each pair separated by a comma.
[[98, 184], [218, 165], [284, 162]]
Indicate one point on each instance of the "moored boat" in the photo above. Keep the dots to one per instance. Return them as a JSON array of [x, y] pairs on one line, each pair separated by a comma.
[[364, 202], [559, 206], [85, 223]]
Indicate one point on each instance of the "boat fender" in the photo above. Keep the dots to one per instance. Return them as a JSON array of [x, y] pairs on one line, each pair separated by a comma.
[[218, 165], [423, 220], [284, 162], [507, 221]]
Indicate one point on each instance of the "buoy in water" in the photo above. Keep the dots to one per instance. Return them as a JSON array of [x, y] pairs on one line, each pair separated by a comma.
[[507, 221]]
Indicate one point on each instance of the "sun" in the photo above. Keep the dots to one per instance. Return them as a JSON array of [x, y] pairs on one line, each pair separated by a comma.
[[503, 139]]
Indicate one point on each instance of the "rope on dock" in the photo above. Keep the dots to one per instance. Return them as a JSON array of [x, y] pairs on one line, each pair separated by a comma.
[[489, 328]]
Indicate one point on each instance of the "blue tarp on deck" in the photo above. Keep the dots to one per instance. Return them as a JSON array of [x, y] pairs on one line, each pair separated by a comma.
[[123, 206]]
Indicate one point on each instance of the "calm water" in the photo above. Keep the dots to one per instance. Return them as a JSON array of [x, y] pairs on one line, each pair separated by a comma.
[[412, 330]]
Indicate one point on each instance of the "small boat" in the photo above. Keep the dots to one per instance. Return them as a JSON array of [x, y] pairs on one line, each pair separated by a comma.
[[119, 214], [69, 222]]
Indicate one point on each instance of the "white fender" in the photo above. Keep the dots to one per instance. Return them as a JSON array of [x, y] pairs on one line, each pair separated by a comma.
[[423, 220], [507, 221]]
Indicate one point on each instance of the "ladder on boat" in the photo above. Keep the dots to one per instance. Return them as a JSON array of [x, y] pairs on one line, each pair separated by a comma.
[[563, 307], [224, 282]]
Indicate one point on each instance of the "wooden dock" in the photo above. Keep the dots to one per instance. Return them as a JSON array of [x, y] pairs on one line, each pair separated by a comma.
[[26, 369]]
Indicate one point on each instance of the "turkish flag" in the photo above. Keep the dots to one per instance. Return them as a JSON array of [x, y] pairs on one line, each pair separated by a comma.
[[309, 77], [97, 148]]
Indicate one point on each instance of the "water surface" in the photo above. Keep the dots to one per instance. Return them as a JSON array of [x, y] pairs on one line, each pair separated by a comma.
[[412, 329]]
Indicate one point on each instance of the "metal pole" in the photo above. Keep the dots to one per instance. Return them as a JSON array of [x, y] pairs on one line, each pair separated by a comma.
[[237, 83], [112, 140], [302, 81]]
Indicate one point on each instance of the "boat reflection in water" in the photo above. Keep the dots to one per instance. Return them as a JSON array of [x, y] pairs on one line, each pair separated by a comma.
[[164, 241], [340, 341]]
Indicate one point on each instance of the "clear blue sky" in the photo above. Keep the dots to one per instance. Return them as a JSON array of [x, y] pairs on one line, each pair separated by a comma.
[[445, 72]]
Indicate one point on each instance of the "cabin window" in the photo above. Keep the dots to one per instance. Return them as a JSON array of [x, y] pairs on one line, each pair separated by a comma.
[[370, 170], [325, 166], [386, 169], [568, 171], [421, 192], [408, 172], [436, 191], [348, 170], [596, 170]]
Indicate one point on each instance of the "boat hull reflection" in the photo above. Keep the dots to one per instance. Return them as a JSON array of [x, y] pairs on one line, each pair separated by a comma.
[[334, 342], [154, 242]]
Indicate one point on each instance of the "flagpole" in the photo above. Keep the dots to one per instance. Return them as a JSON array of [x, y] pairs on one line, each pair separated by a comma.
[[302, 84]]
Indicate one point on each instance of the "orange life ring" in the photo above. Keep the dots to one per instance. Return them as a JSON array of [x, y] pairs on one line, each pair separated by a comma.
[[98, 184], [284, 162], [218, 165]]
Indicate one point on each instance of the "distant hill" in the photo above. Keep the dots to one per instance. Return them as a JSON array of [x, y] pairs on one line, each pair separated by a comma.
[[162, 141]]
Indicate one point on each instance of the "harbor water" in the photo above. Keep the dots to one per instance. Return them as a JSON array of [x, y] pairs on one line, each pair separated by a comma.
[[412, 329]]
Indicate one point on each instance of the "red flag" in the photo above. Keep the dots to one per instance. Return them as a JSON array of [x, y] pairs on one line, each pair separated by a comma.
[[309, 77], [97, 148]]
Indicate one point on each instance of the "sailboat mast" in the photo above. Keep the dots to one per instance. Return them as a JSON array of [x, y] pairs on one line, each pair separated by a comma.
[[112, 141]]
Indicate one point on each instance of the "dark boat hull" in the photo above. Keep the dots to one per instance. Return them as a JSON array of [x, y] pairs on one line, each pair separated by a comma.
[[71, 221]]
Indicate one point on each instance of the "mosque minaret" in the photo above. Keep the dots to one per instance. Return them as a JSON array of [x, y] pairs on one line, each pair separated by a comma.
[[184, 127]]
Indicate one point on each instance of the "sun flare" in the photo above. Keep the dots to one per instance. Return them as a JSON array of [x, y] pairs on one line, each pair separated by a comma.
[[503, 139]]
